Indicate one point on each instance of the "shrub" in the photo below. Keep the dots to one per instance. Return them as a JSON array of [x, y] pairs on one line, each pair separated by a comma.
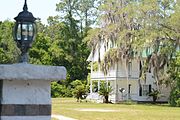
[[105, 91], [58, 90], [79, 90], [174, 80], [175, 97], [178, 102], [155, 94]]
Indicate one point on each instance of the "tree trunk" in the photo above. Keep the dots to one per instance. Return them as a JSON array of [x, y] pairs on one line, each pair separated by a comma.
[[106, 99], [154, 99]]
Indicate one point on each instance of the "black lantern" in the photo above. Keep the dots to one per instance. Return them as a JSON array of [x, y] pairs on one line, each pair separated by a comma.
[[24, 31]]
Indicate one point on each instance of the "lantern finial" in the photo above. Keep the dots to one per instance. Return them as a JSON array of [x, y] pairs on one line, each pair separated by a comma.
[[25, 8]]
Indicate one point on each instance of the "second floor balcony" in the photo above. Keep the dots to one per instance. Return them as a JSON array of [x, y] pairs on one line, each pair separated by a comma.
[[115, 75]]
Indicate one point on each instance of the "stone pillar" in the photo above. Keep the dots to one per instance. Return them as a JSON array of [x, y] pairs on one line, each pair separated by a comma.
[[25, 91]]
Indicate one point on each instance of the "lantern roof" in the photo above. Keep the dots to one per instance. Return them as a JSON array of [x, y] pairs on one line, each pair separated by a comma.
[[25, 15]]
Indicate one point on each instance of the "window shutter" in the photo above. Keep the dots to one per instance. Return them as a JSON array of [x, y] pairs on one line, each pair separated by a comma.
[[140, 90], [150, 88]]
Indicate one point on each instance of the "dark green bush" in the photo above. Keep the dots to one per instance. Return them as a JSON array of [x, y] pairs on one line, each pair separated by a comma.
[[58, 90], [175, 97], [79, 90]]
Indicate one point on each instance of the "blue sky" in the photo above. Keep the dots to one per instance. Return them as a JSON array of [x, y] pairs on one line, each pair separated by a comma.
[[40, 8]]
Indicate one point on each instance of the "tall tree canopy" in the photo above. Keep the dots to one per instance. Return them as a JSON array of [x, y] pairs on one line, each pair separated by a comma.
[[138, 26], [58, 43], [84, 11], [8, 51]]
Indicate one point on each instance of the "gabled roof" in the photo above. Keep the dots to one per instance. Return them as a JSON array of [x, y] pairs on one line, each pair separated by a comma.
[[90, 58]]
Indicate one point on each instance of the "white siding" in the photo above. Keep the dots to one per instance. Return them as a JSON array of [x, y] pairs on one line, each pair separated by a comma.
[[135, 69], [100, 75], [96, 53], [133, 89], [121, 72]]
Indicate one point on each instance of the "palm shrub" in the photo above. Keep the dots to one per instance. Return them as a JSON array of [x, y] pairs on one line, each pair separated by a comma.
[[155, 94], [105, 91]]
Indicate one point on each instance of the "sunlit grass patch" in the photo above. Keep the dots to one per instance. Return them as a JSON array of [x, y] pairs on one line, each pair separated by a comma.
[[93, 111]]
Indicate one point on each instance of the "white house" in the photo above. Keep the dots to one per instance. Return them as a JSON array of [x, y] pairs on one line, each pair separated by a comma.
[[122, 78]]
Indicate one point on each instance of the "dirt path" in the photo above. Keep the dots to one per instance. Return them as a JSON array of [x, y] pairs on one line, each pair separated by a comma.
[[61, 117]]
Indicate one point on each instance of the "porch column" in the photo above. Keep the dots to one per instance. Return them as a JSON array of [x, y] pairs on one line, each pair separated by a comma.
[[116, 90], [98, 85], [90, 86], [91, 77]]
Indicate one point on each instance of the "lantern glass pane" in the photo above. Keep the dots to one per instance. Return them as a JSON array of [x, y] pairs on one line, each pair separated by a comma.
[[18, 32], [30, 31], [25, 31]]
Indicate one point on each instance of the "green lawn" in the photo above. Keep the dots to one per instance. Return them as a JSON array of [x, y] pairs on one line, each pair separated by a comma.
[[70, 108], [54, 119]]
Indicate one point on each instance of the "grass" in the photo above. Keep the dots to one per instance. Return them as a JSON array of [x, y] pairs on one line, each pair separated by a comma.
[[70, 108], [54, 119]]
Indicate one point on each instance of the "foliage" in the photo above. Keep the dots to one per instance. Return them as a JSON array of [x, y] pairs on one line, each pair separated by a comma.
[[174, 81], [110, 58], [132, 26], [105, 91], [79, 90], [58, 90], [147, 30], [85, 11], [155, 94], [73, 45], [95, 66], [175, 97], [178, 102], [60, 44], [55, 89], [9, 53]]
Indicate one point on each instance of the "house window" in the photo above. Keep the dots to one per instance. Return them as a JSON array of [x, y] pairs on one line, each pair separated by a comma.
[[129, 88], [129, 68], [140, 90], [150, 88], [145, 90]]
